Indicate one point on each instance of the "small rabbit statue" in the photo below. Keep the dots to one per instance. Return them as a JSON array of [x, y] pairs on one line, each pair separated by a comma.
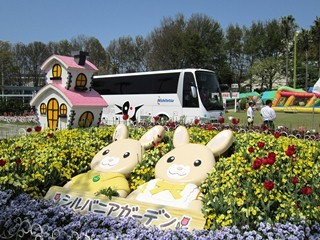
[[113, 163], [179, 172]]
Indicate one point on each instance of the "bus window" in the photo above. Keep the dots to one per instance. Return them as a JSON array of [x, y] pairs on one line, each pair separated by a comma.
[[189, 101], [137, 84], [209, 90]]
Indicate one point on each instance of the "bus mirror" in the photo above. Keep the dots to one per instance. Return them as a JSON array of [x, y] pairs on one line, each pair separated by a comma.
[[193, 91]]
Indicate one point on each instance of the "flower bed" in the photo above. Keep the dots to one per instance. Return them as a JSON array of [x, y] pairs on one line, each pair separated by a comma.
[[269, 186]]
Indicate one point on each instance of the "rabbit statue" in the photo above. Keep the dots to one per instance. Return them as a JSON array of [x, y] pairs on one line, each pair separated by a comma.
[[112, 164], [179, 172]]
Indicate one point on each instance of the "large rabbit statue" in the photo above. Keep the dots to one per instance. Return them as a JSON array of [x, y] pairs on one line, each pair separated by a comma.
[[113, 163], [179, 172]]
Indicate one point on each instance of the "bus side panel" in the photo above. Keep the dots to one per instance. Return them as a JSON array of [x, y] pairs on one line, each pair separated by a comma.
[[140, 107]]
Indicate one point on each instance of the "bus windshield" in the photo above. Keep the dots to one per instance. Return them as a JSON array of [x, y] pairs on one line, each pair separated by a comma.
[[209, 90]]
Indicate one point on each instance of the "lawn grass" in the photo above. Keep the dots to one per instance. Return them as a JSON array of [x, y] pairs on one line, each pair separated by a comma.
[[293, 121]]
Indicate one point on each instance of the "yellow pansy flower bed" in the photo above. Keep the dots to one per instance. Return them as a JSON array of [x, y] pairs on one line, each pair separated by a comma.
[[263, 177]]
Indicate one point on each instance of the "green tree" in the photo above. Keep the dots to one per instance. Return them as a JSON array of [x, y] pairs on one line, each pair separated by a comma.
[[36, 53], [266, 71], [315, 32], [5, 63], [168, 44], [234, 47], [272, 39], [304, 40], [97, 54], [62, 47], [288, 28], [120, 55], [253, 41], [179, 43]]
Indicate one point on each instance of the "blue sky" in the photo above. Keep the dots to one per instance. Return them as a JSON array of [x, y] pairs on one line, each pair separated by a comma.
[[54, 20]]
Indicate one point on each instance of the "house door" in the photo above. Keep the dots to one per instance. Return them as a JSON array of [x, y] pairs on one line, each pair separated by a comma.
[[52, 113]]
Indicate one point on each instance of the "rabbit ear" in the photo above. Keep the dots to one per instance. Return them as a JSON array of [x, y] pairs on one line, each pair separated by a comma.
[[221, 142], [152, 137], [180, 137], [121, 132]]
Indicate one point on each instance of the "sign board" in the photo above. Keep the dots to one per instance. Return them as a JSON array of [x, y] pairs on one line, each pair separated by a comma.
[[228, 95], [163, 217], [235, 86]]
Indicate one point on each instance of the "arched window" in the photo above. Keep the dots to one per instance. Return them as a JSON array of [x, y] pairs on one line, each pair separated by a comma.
[[86, 119], [63, 110], [43, 108], [56, 72], [81, 82]]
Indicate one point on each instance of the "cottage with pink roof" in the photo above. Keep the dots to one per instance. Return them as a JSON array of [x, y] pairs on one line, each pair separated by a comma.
[[68, 101]]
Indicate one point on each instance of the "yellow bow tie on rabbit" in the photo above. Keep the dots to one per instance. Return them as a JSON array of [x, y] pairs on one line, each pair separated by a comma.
[[173, 188]]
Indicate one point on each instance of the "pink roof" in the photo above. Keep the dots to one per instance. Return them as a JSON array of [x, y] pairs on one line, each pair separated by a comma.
[[70, 63], [87, 98], [74, 98]]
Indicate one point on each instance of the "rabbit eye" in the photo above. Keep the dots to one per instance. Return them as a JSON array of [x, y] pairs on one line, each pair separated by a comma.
[[106, 152], [170, 159], [197, 163], [127, 154]]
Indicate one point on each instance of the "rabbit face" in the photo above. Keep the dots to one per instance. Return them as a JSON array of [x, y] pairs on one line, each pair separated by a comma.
[[189, 163], [120, 156]]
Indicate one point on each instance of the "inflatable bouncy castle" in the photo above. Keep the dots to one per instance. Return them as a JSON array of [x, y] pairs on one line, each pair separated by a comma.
[[289, 99]]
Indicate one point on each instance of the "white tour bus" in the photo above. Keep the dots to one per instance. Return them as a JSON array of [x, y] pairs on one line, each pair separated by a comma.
[[184, 94]]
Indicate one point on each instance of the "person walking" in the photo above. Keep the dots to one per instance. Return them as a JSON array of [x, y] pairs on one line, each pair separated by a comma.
[[268, 115], [250, 114]]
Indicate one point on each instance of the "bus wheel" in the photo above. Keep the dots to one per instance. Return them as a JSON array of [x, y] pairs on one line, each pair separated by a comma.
[[163, 117]]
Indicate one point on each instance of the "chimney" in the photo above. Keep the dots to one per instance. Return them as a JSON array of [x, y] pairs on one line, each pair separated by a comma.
[[80, 57]]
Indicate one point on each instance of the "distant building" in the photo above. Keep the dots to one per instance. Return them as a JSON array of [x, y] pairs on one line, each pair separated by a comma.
[[67, 100]]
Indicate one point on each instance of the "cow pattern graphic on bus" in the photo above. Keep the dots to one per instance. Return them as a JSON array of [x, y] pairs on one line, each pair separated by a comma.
[[128, 111]]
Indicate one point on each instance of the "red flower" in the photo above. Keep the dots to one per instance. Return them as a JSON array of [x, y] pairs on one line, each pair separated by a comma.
[[260, 145], [156, 118], [269, 185], [221, 120], [172, 124], [2, 162], [18, 162], [37, 128], [306, 191], [235, 121], [257, 164], [272, 155], [264, 128], [264, 161], [251, 149], [50, 135], [270, 160], [277, 134], [289, 153], [196, 121], [209, 127], [294, 180], [292, 148], [125, 116], [29, 129]]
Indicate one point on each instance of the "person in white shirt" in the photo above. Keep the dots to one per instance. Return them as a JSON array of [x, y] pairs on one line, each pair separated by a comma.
[[268, 115], [250, 114]]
